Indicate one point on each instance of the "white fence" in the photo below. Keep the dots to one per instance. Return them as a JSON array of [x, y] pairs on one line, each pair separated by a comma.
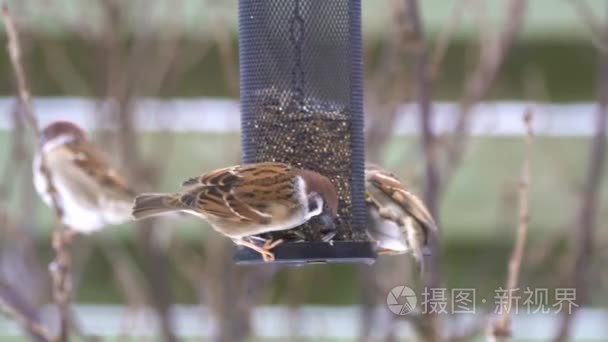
[[340, 322], [222, 115]]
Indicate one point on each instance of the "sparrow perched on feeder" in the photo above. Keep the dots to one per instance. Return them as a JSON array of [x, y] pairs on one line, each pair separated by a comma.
[[245, 200], [397, 220], [90, 192]]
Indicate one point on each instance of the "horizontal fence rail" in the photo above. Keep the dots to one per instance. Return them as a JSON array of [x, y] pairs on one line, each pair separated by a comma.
[[502, 118], [307, 321]]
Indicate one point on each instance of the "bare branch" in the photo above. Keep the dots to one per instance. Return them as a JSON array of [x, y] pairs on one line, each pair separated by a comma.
[[227, 55], [431, 278], [60, 272], [386, 87], [14, 52], [127, 275], [587, 214], [423, 95], [443, 38], [16, 159], [589, 19], [156, 269], [121, 86], [19, 314], [501, 328], [492, 56], [62, 69]]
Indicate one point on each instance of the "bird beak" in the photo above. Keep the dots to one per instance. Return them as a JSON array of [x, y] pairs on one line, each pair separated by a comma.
[[329, 226]]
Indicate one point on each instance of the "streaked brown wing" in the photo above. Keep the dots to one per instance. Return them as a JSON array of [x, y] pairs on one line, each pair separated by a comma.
[[266, 183], [208, 201], [216, 177], [240, 193], [94, 164], [413, 205], [392, 187], [231, 174]]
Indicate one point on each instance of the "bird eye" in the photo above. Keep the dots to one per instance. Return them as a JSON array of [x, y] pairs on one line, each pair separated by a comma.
[[313, 204]]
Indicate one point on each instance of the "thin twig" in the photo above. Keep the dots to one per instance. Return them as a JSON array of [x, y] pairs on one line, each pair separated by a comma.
[[588, 18], [431, 278], [127, 275], [369, 293], [492, 56], [61, 271], [423, 94], [62, 69], [121, 61], [223, 39], [18, 236], [14, 52], [587, 214], [23, 271], [30, 324], [502, 328], [18, 154], [443, 38], [224, 292], [386, 88]]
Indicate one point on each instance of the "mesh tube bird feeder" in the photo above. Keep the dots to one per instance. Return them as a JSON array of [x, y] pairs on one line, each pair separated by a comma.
[[302, 104]]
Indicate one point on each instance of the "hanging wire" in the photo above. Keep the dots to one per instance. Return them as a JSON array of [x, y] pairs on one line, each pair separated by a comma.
[[296, 37]]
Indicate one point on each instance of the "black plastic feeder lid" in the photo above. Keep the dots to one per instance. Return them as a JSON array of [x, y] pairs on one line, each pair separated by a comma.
[[304, 253]]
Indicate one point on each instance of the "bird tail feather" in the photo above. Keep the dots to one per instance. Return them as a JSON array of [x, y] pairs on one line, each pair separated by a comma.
[[147, 205]]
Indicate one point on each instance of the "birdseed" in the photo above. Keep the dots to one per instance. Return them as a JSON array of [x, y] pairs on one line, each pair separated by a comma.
[[309, 134]]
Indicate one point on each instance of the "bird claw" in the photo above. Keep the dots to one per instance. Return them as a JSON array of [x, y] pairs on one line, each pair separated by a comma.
[[328, 236], [269, 244], [267, 255], [264, 250]]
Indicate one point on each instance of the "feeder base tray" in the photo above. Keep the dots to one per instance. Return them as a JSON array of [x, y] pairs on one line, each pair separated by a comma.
[[303, 253]]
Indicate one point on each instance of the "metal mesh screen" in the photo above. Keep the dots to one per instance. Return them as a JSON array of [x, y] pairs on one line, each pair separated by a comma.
[[301, 96]]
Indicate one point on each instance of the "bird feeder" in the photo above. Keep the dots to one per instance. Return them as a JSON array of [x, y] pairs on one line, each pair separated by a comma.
[[302, 104]]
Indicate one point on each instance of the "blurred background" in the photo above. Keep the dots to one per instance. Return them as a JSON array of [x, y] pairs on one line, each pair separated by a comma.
[[156, 84]]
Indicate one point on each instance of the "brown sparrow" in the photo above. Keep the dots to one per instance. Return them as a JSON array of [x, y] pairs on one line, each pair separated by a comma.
[[91, 193], [245, 200], [397, 220]]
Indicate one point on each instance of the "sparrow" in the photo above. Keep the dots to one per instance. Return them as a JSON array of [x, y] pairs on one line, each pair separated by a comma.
[[398, 221], [91, 193], [245, 200]]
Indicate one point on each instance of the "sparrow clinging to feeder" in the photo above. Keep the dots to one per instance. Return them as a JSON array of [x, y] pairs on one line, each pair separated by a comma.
[[245, 200], [398, 221], [91, 193]]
